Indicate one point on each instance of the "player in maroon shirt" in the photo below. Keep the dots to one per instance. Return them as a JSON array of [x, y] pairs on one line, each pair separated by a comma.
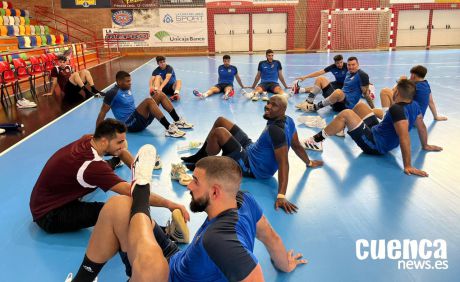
[[71, 82], [77, 170]]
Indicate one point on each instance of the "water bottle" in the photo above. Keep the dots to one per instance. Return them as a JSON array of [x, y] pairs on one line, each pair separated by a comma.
[[189, 145], [11, 126]]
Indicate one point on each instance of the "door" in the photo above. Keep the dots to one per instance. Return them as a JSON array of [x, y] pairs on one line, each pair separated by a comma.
[[446, 27], [231, 32], [412, 28], [260, 32], [278, 31], [223, 32], [240, 32]]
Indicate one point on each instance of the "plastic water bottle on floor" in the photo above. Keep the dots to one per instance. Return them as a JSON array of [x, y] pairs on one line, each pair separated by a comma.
[[186, 146], [11, 126]]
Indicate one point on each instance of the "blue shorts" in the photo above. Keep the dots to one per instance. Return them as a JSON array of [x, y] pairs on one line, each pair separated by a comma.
[[236, 147], [222, 86], [136, 122], [364, 138], [268, 86]]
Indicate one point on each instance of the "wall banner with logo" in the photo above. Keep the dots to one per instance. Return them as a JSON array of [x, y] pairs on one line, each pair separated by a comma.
[[134, 4], [141, 18], [127, 37], [185, 27], [82, 4], [182, 3]]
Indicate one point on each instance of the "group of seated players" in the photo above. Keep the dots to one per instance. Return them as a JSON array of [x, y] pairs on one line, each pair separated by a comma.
[[223, 247]]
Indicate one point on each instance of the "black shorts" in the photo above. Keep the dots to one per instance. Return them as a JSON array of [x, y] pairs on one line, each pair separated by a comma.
[[339, 106], [136, 122], [72, 93], [222, 86], [168, 89], [363, 136], [235, 148], [336, 85], [268, 86], [73, 216]]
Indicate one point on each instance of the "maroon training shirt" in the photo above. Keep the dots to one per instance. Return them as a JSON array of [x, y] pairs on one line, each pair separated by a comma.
[[62, 75], [72, 172]]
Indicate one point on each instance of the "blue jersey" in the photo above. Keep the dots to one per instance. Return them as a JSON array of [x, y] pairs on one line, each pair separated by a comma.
[[163, 73], [121, 102], [222, 249], [385, 134], [227, 75], [339, 74], [422, 95], [261, 154], [269, 71], [352, 87]]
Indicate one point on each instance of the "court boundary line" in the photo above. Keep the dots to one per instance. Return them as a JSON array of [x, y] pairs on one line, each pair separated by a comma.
[[64, 115]]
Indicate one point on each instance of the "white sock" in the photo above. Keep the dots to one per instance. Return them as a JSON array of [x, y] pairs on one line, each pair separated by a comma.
[[302, 90], [206, 94], [226, 92], [176, 91]]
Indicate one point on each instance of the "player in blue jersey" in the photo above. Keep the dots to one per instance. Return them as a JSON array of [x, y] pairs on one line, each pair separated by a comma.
[[355, 86], [268, 72], [164, 80], [260, 159], [423, 95], [222, 249], [338, 69], [379, 138], [121, 101], [227, 74]]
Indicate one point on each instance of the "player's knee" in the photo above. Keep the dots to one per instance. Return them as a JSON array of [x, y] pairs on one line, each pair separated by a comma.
[[345, 114], [116, 207], [220, 120]]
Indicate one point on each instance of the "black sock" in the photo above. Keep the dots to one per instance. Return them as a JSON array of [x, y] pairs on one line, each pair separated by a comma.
[[94, 90], [140, 203], [198, 156], [174, 115], [311, 97], [165, 122], [88, 270], [87, 92], [318, 137]]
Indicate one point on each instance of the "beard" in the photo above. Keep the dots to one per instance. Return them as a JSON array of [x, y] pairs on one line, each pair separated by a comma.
[[199, 205]]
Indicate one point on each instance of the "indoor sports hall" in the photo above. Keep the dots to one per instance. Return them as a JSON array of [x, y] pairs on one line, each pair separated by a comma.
[[359, 217]]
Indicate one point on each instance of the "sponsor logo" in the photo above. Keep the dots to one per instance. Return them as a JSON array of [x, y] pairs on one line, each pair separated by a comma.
[[127, 36], [168, 19], [409, 254], [123, 17], [165, 36], [85, 3]]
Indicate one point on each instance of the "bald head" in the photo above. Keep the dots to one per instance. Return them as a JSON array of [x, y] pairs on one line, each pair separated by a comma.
[[223, 171]]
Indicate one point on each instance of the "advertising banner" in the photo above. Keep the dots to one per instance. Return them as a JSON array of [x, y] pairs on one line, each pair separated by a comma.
[[141, 18], [80, 4], [134, 4], [182, 3]]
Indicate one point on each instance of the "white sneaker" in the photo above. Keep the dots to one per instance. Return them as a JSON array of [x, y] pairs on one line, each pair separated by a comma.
[[247, 94], [255, 97], [341, 133], [306, 107], [264, 96], [2, 130], [177, 229], [312, 121], [70, 277], [310, 144], [25, 104], [143, 164], [181, 123], [173, 131]]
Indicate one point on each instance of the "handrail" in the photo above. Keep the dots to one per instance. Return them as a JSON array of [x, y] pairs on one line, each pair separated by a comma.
[[81, 28]]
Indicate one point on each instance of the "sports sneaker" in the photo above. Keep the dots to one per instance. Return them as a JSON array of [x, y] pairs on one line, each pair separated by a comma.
[[341, 133], [179, 172], [231, 93], [198, 94], [177, 229], [372, 91], [255, 97], [310, 144], [312, 121], [143, 164], [70, 278], [306, 107], [173, 131], [114, 162], [181, 123], [2, 130], [264, 96], [25, 104], [175, 97], [295, 88]]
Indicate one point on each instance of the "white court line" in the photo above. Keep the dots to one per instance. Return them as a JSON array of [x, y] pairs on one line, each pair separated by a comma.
[[62, 116]]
